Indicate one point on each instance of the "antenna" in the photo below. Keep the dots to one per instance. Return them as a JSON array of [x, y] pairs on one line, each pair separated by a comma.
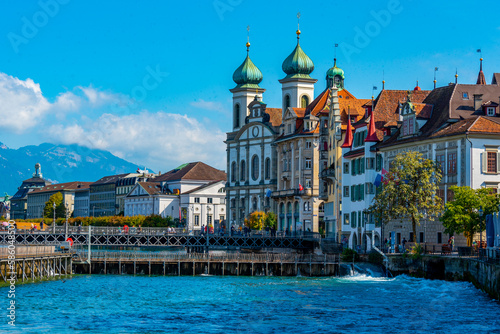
[[435, 70], [248, 39], [298, 26]]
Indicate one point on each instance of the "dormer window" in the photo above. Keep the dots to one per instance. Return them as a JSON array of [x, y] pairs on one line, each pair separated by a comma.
[[490, 111], [408, 125]]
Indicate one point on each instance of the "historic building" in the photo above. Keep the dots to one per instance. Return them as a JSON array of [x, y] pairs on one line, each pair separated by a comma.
[[39, 197], [193, 193], [251, 157], [19, 202]]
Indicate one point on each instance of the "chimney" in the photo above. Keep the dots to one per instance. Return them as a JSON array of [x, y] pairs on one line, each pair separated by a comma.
[[478, 101]]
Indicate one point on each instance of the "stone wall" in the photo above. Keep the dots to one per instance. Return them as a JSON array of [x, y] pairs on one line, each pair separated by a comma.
[[485, 276]]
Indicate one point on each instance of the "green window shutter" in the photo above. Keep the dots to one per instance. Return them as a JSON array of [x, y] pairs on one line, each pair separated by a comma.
[[353, 167], [353, 219], [379, 162], [362, 165], [352, 193], [362, 192]]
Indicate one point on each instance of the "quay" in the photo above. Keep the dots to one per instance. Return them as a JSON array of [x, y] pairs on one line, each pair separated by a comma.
[[231, 264], [34, 263]]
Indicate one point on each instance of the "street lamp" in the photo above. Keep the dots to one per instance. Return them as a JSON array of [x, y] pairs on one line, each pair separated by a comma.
[[480, 226], [54, 222]]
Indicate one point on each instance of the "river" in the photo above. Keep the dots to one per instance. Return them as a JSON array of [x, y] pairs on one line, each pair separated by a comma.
[[209, 304]]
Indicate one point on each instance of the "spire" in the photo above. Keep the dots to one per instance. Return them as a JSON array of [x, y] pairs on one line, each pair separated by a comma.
[[383, 84], [480, 77], [435, 70], [348, 134], [372, 135], [247, 75], [456, 76], [298, 64], [417, 87]]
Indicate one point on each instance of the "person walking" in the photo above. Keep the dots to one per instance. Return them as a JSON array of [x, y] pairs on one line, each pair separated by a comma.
[[452, 242]]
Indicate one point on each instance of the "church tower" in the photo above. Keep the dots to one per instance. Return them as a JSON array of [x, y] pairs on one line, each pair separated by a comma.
[[247, 78], [297, 87]]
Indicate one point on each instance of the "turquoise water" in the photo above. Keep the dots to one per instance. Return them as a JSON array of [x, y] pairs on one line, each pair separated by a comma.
[[142, 304]]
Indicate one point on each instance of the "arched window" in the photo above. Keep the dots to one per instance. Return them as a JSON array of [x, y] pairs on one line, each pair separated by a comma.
[[289, 207], [307, 206], [282, 208], [236, 115], [296, 209], [287, 101], [242, 170], [233, 172], [255, 167], [304, 101], [254, 204], [268, 169]]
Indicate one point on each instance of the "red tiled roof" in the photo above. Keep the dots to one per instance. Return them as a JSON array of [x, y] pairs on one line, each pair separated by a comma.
[[152, 188], [62, 186], [274, 116]]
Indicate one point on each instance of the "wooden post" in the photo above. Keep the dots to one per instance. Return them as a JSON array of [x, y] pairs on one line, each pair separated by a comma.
[[296, 271], [135, 270], [105, 265], [222, 268], [23, 269], [149, 262], [179, 267], [120, 266], [194, 268]]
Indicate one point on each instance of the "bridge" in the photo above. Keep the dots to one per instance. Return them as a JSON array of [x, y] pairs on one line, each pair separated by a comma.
[[161, 237]]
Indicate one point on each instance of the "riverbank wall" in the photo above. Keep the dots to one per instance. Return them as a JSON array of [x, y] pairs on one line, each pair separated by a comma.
[[484, 275]]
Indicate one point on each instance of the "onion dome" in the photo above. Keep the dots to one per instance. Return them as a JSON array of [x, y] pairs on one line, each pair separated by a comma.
[[298, 64], [247, 75], [417, 87], [333, 71]]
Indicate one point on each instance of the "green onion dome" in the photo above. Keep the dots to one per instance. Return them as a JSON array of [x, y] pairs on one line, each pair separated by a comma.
[[298, 64], [247, 75], [333, 71]]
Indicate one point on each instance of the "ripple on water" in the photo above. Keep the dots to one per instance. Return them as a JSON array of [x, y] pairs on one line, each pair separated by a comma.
[[357, 304]]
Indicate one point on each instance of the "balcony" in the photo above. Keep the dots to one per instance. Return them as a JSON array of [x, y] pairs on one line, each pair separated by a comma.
[[292, 193], [328, 174]]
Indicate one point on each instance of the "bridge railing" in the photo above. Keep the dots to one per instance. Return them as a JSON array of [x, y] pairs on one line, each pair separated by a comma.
[[227, 257], [159, 231]]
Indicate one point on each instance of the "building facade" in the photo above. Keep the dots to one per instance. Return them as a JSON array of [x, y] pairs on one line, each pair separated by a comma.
[[19, 202]]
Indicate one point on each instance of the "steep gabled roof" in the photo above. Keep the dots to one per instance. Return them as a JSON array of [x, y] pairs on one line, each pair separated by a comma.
[[109, 179], [192, 171], [476, 124]]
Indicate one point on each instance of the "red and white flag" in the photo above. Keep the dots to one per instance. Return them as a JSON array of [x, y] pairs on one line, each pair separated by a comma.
[[300, 187]]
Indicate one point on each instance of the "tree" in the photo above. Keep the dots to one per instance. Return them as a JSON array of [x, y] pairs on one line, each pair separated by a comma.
[[256, 220], [48, 211], [409, 190], [462, 213], [271, 220]]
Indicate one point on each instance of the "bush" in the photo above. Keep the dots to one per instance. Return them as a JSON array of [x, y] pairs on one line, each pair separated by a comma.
[[375, 257], [416, 251], [348, 254]]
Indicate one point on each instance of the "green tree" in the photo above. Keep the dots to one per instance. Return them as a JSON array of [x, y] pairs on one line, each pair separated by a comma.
[[462, 214], [48, 211], [270, 220], [409, 190]]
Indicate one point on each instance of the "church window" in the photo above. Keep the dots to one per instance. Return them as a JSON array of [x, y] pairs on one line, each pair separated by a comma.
[[236, 115], [268, 169], [255, 167], [242, 170], [233, 172], [304, 101], [287, 101]]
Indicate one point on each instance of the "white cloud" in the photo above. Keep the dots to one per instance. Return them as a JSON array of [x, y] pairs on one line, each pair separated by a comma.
[[22, 104], [156, 140]]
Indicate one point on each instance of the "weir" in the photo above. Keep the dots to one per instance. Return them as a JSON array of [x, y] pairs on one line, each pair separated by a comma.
[[234, 264]]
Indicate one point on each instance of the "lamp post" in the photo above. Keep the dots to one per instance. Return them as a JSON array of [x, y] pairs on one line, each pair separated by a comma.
[[54, 222], [480, 226], [66, 223]]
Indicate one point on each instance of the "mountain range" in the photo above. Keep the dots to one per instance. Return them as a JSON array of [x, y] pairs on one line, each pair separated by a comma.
[[59, 163]]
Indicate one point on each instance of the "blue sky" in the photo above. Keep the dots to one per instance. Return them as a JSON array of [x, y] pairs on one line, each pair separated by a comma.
[[149, 80]]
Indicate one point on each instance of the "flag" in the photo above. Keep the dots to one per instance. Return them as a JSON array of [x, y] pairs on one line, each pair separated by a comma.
[[378, 180], [375, 88], [478, 50], [435, 68], [268, 192], [300, 187], [336, 45]]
